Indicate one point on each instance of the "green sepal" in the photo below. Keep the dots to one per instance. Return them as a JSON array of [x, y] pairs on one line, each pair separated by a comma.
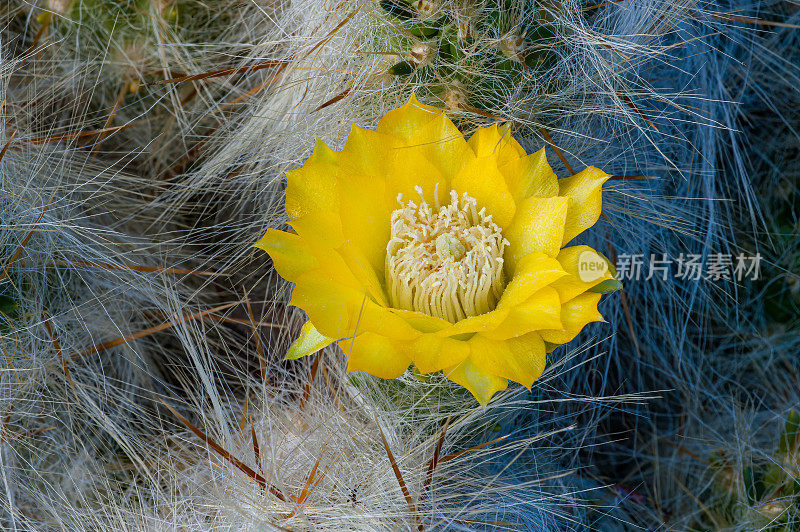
[[422, 377], [450, 50], [493, 20], [606, 287], [550, 347], [309, 342], [456, 53], [611, 268]]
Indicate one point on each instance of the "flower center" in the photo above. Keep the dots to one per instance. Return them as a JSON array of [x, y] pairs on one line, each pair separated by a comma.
[[444, 260]]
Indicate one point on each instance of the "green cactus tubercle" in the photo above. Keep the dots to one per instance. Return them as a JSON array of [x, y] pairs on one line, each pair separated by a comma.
[[765, 492], [482, 53]]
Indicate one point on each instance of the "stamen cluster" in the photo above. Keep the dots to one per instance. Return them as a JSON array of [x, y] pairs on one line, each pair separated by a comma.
[[445, 260]]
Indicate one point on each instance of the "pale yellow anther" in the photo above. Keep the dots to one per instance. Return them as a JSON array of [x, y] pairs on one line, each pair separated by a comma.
[[449, 247], [445, 261]]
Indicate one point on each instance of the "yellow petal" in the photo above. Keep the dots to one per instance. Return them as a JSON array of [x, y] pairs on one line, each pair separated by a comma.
[[328, 304], [519, 359], [309, 342], [482, 322], [443, 145], [534, 271], [459, 330], [412, 173], [549, 348], [422, 322], [542, 310], [364, 272], [438, 141], [312, 230], [322, 228], [575, 315], [374, 354], [481, 180], [294, 256], [432, 353], [290, 255], [313, 187], [496, 142], [538, 226], [530, 176], [322, 153], [340, 311], [405, 121], [573, 259], [481, 384], [370, 153], [365, 219], [584, 190]]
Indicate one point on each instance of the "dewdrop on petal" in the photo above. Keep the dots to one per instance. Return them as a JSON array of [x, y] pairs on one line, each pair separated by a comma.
[[414, 245]]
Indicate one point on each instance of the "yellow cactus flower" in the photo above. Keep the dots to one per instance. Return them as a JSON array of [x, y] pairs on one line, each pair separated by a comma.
[[414, 245]]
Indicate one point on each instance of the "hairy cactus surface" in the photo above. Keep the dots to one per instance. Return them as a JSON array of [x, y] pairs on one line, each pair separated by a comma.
[[157, 372]]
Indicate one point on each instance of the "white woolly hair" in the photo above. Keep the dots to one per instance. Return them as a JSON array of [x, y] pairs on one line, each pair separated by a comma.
[[87, 440], [144, 386]]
